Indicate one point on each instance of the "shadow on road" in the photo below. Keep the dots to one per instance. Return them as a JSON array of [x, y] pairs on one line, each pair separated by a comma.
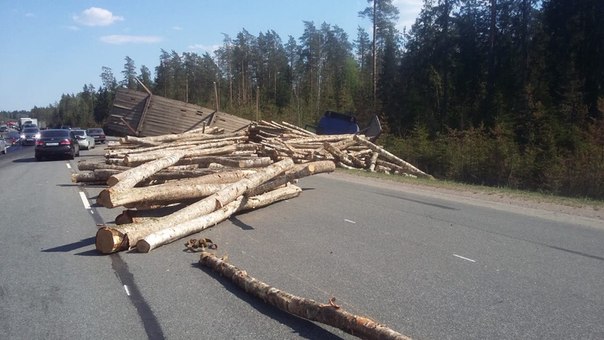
[[25, 160], [71, 246], [303, 328], [236, 221]]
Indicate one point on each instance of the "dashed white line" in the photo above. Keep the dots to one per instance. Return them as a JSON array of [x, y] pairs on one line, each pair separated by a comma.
[[85, 200], [464, 258], [350, 221], [127, 290], [68, 165]]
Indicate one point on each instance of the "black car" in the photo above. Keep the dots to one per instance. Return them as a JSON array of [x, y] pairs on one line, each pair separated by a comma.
[[57, 143], [13, 137], [97, 133], [29, 135]]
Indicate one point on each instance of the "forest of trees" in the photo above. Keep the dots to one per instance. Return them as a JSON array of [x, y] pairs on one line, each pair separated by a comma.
[[494, 92]]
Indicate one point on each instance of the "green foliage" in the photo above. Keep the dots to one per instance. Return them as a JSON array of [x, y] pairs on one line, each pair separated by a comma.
[[503, 93]]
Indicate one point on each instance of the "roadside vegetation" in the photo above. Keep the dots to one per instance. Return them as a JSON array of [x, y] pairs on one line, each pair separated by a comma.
[[503, 93]]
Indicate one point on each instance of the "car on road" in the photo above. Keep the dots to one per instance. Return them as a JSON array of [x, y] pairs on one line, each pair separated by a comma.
[[86, 142], [29, 135], [57, 143], [98, 134], [3, 145], [12, 137]]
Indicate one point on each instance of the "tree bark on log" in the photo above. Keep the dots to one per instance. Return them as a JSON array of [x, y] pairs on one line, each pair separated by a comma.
[[392, 158], [329, 314], [91, 166], [107, 242], [297, 171], [136, 216], [168, 235], [129, 178], [343, 156]]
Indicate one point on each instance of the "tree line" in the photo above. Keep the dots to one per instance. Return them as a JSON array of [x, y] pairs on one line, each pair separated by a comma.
[[495, 92]]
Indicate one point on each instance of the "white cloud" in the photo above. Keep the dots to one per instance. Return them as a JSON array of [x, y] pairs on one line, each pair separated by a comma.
[[130, 39], [95, 16], [30, 15], [203, 48], [177, 28]]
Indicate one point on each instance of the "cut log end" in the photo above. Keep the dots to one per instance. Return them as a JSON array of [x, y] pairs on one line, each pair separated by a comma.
[[104, 198], [109, 240], [113, 180], [143, 246]]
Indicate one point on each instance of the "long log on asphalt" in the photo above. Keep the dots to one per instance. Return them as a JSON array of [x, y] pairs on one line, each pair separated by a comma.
[[109, 240], [392, 158], [129, 178], [196, 225], [196, 187], [326, 313], [98, 175], [137, 216]]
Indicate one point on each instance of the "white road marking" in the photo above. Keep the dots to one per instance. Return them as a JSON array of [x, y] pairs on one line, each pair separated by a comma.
[[68, 165], [127, 290], [464, 258], [350, 221], [84, 200]]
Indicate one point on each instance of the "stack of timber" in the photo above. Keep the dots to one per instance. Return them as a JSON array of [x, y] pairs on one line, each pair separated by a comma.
[[353, 151], [179, 184], [174, 185]]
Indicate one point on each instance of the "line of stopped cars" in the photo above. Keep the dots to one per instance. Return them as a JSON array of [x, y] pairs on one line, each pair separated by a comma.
[[62, 143]]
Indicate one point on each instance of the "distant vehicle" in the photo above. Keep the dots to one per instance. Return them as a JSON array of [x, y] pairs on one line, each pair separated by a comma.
[[12, 137], [336, 123], [66, 127], [3, 128], [3, 145], [29, 135], [86, 142], [98, 134], [57, 143], [27, 121]]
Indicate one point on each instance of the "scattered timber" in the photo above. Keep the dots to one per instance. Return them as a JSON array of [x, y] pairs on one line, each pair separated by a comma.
[[329, 313], [181, 183]]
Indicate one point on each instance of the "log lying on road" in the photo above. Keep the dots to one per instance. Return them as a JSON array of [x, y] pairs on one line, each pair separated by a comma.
[[125, 236], [329, 314], [196, 225]]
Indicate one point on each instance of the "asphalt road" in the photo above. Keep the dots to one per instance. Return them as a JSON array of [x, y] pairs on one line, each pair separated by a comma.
[[430, 266]]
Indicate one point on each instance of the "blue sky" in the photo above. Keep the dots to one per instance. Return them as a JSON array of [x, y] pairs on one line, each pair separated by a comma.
[[48, 48]]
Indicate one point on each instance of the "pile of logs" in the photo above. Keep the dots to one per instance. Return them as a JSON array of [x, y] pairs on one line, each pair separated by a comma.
[[175, 185], [282, 140]]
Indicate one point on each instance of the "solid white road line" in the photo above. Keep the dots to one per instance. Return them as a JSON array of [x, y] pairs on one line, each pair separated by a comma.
[[68, 165], [85, 200], [464, 258], [350, 221], [127, 290]]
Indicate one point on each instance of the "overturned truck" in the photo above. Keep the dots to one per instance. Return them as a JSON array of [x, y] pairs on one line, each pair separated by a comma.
[[143, 114]]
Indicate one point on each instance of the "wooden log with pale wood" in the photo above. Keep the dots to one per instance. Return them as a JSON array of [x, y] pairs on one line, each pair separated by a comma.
[[171, 234], [327, 313], [122, 237], [162, 171]]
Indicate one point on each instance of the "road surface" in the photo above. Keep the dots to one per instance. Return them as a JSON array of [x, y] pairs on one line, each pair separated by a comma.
[[428, 265]]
